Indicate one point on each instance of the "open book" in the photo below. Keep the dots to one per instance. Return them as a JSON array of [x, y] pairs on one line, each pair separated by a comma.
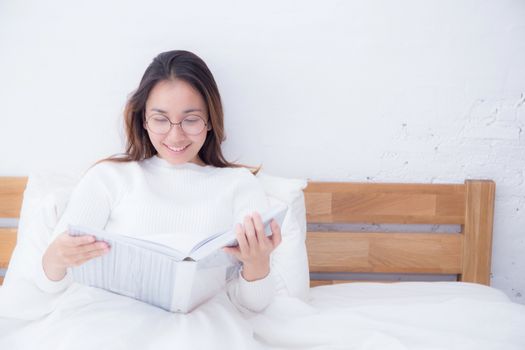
[[161, 275]]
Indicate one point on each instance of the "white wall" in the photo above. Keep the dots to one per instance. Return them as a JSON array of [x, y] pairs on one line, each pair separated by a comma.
[[400, 91]]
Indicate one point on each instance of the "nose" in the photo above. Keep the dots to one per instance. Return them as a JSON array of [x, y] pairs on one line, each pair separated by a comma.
[[176, 133]]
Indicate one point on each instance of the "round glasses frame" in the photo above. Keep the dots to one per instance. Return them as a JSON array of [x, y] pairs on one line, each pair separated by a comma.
[[180, 124]]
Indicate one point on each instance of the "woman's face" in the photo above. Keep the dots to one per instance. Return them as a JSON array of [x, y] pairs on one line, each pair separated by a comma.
[[176, 100]]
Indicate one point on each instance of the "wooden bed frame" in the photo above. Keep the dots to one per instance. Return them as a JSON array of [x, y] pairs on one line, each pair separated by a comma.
[[466, 254]]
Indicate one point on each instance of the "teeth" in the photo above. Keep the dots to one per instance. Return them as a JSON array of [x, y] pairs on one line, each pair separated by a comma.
[[176, 149]]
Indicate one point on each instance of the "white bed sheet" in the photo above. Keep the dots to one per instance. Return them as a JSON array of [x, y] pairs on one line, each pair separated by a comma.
[[407, 315]]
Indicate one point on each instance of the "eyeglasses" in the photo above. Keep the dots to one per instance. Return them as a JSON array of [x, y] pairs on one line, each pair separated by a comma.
[[160, 124]]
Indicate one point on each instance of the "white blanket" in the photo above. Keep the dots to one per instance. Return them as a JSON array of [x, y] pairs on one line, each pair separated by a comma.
[[410, 315]]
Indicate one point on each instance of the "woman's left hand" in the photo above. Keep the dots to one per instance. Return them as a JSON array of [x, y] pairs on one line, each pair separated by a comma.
[[254, 247]]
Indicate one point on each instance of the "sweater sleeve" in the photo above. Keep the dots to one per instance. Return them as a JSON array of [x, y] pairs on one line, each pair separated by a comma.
[[89, 205], [251, 296]]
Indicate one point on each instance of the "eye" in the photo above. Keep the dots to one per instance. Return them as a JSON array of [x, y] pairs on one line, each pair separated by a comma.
[[192, 119], [159, 119]]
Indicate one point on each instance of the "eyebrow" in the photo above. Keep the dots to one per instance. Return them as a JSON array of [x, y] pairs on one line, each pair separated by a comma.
[[186, 111]]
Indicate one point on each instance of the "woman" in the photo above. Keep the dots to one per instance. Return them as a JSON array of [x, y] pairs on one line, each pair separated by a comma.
[[172, 178]]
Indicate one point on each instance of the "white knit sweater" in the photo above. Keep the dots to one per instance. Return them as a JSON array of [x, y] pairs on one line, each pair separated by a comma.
[[152, 197]]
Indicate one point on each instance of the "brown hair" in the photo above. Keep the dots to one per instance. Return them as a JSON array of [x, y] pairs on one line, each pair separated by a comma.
[[170, 65]]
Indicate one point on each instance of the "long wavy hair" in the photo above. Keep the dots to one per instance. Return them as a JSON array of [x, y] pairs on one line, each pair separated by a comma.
[[170, 65]]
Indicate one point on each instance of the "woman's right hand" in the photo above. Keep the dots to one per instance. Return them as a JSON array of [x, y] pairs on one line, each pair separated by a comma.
[[67, 251]]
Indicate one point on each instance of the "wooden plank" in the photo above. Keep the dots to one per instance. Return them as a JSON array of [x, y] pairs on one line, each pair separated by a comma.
[[433, 253], [7, 244], [11, 194], [315, 283], [478, 231], [385, 203], [318, 204], [370, 187]]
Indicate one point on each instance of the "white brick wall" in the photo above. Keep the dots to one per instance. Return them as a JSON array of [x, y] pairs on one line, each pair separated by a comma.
[[425, 91]]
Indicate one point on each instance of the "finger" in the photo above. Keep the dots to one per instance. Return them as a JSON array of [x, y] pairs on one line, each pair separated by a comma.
[[250, 232], [86, 248], [259, 228], [74, 254], [235, 251], [241, 238], [75, 241], [276, 233], [82, 258]]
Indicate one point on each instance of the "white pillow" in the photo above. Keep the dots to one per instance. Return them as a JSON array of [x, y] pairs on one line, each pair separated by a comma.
[[290, 256], [46, 196]]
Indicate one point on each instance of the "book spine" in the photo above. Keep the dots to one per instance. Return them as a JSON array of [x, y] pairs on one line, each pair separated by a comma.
[[183, 285]]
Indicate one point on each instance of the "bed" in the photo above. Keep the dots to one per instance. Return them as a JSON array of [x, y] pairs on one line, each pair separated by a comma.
[[361, 295]]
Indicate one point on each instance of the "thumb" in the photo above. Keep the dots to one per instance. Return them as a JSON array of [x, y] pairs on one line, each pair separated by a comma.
[[232, 251]]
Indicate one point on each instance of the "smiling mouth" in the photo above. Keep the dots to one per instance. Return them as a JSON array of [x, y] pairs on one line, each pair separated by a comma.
[[177, 149]]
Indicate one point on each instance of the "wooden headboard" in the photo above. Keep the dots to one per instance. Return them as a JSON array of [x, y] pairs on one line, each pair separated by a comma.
[[11, 194], [466, 254]]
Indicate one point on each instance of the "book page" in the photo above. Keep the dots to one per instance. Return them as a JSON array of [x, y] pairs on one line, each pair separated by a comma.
[[113, 239], [227, 238]]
